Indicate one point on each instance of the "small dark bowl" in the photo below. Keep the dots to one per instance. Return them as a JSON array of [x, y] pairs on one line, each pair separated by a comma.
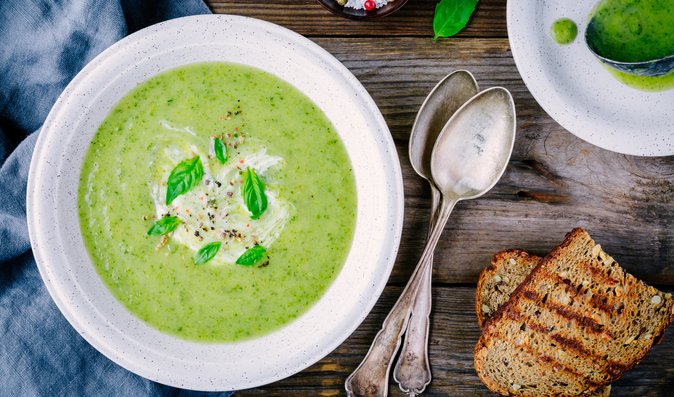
[[335, 8]]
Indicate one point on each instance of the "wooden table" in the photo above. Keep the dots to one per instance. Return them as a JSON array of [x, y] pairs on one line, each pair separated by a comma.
[[553, 183]]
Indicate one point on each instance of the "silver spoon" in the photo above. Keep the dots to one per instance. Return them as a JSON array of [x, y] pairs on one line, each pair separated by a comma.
[[469, 157], [412, 371]]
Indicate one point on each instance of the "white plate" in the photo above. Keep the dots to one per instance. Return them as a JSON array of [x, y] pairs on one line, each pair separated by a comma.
[[54, 223], [578, 92]]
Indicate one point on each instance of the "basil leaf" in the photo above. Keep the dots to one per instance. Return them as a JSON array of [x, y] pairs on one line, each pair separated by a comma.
[[186, 175], [206, 253], [252, 255], [164, 226], [220, 150], [253, 194], [451, 16]]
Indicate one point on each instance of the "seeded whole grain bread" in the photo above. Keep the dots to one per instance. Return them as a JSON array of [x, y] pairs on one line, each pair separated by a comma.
[[575, 324], [498, 280], [508, 269]]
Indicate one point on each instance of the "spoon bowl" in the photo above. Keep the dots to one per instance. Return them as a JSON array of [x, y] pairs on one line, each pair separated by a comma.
[[652, 68], [440, 104], [474, 147]]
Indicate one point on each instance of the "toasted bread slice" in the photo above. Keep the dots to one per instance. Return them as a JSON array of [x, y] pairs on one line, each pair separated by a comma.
[[575, 324], [498, 280], [508, 269]]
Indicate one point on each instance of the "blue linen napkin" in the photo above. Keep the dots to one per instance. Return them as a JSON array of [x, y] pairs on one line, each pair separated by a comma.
[[43, 44]]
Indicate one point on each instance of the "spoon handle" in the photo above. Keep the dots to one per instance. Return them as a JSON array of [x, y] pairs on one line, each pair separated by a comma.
[[412, 371], [370, 379]]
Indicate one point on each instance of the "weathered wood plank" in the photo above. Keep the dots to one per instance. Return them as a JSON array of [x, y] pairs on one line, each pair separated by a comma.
[[554, 182], [414, 19], [454, 333]]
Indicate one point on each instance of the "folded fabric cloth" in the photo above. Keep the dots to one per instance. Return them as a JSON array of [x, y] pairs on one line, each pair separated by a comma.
[[44, 44]]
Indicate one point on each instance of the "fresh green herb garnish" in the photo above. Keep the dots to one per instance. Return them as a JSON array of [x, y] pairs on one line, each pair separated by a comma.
[[252, 256], [253, 194], [164, 226], [220, 150], [206, 253], [451, 16], [186, 175]]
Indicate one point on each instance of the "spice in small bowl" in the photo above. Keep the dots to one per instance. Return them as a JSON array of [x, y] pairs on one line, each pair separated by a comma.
[[362, 9], [367, 5]]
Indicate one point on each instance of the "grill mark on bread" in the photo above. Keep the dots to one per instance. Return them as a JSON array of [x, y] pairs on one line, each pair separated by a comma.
[[573, 344], [586, 322], [602, 304], [598, 273], [551, 361], [614, 368], [556, 365], [505, 389], [595, 300]]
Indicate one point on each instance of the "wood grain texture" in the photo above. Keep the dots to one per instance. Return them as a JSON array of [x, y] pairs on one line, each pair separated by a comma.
[[553, 183], [414, 19], [454, 332]]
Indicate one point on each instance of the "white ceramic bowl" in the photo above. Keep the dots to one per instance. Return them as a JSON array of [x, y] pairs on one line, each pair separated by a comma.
[[573, 87], [64, 262]]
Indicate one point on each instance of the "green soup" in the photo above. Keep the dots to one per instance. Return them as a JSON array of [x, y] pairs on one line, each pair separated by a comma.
[[644, 83], [564, 31], [267, 126], [634, 30]]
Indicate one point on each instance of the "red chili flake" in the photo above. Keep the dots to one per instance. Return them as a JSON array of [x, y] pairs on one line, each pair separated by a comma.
[[247, 224], [241, 161]]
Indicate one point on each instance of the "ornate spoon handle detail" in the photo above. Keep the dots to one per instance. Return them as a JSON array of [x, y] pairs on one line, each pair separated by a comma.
[[370, 379], [413, 371]]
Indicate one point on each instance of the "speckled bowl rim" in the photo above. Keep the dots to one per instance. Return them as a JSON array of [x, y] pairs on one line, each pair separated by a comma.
[[573, 87], [89, 306]]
